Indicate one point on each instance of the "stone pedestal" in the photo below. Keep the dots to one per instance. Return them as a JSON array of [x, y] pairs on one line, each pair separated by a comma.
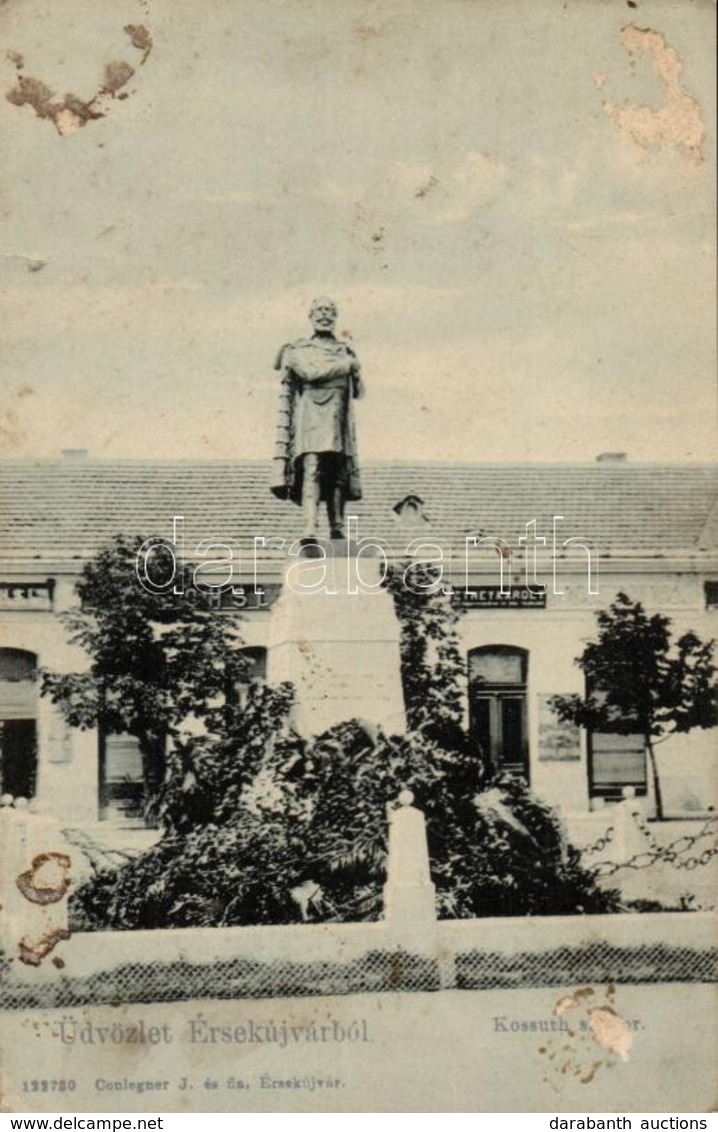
[[409, 895], [335, 635]]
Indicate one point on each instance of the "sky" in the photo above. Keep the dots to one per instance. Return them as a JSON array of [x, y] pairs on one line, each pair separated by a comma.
[[512, 204]]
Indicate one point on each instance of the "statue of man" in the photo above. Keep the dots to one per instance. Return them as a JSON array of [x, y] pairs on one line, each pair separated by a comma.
[[316, 457]]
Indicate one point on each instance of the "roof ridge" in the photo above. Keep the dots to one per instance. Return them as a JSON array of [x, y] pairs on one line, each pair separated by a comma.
[[80, 464]]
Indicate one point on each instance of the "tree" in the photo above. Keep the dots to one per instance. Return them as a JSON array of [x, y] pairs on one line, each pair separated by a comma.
[[294, 830], [640, 680], [263, 826], [433, 668], [156, 658]]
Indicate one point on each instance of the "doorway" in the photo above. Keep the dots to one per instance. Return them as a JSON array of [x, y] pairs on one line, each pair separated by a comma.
[[497, 707], [18, 723]]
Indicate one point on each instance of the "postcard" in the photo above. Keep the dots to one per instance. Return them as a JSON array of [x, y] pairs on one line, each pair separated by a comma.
[[358, 556]]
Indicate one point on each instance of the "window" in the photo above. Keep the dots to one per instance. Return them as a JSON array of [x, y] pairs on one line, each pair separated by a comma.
[[497, 707], [710, 590], [615, 761], [122, 787], [122, 792], [18, 728]]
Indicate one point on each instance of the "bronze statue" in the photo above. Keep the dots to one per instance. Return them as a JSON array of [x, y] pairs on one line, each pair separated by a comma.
[[316, 457]]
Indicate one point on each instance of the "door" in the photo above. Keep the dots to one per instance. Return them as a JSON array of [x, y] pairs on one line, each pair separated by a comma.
[[18, 728], [497, 707]]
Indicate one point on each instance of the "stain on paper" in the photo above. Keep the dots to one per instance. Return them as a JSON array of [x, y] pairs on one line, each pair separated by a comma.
[[69, 112], [47, 881], [117, 75], [590, 1020], [611, 1031], [678, 122], [32, 952], [426, 188], [569, 1001], [139, 38], [33, 263]]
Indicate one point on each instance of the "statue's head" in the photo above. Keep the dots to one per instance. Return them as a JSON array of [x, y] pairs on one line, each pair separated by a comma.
[[323, 315]]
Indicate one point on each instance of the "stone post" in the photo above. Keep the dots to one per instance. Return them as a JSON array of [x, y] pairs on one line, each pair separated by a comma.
[[627, 839], [629, 842], [409, 895]]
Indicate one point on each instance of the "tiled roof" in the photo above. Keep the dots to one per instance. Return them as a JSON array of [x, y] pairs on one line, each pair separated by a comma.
[[68, 508]]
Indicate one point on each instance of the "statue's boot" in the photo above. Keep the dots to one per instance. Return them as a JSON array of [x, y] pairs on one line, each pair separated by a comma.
[[335, 512], [311, 492]]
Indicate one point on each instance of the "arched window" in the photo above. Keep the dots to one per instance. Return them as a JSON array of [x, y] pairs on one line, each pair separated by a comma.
[[497, 706], [18, 728]]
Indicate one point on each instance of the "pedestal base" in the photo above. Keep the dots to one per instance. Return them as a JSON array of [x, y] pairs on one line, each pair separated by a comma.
[[335, 635]]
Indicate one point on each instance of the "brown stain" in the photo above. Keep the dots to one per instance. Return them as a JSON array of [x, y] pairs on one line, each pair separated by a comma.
[[424, 190], [595, 1024], [139, 38], [116, 76], [68, 112], [589, 1076], [583, 992], [46, 882], [367, 32], [33, 953]]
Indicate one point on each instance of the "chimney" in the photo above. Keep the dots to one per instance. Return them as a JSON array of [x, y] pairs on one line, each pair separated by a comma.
[[75, 453], [611, 458]]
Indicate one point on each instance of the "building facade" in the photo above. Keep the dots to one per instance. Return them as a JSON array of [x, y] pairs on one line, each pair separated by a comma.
[[529, 553]]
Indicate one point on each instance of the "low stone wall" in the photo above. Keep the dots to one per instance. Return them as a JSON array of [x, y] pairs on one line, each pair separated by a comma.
[[322, 959], [408, 950]]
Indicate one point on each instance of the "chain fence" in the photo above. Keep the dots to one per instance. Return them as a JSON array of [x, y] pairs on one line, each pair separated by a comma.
[[600, 843], [676, 854]]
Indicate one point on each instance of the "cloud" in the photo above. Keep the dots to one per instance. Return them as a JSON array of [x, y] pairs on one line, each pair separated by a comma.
[[450, 195], [342, 193], [618, 219], [248, 196]]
